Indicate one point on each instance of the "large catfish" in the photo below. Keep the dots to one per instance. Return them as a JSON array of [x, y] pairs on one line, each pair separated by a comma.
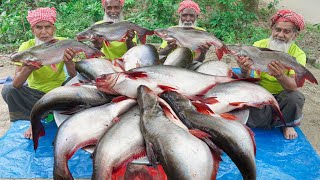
[[72, 98], [181, 57], [182, 155], [159, 78], [138, 56], [217, 68], [92, 68], [83, 129], [192, 38], [52, 52], [113, 32], [121, 144], [234, 138], [261, 57]]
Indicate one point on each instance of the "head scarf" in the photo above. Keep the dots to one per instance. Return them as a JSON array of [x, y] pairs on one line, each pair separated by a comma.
[[104, 1], [288, 16], [188, 4], [42, 14]]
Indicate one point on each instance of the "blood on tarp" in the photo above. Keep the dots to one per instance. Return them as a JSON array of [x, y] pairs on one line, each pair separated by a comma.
[[140, 172]]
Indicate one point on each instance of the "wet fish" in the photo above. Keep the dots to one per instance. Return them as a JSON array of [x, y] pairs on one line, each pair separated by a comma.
[[182, 155], [217, 68], [234, 138], [72, 98], [181, 57], [241, 114], [261, 57], [138, 56], [159, 78], [92, 68], [113, 32], [52, 52], [83, 129], [117, 147], [192, 38]]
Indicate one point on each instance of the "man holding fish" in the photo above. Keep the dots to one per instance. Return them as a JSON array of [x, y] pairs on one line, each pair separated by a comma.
[[113, 14], [188, 11], [280, 81], [21, 98]]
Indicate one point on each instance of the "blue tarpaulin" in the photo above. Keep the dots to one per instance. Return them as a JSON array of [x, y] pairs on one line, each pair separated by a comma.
[[277, 158]]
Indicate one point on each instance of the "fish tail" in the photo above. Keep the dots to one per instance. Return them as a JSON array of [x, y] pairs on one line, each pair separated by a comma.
[[37, 132], [144, 34], [221, 51], [301, 77]]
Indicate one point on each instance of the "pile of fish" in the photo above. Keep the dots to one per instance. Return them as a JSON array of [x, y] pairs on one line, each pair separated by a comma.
[[178, 113]]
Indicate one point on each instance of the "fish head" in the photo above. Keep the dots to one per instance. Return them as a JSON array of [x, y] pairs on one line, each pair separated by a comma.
[[106, 82], [177, 101], [23, 57], [147, 99], [86, 35], [164, 34]]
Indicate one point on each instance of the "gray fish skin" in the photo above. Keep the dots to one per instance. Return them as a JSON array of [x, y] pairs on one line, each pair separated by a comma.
[[83, 129], [92, 68], [158, 78], [241, 114], [122, 143], [181, 57], [216, 68], [261, 57], [139, 56], [113, 32], [234, 138], [182, 155], [64, 98], [192, 38], [52, 52]]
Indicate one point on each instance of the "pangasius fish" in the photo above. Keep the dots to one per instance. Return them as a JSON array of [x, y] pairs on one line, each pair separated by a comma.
[[261, 57], [92, 68], [181, 57], [192, 38]]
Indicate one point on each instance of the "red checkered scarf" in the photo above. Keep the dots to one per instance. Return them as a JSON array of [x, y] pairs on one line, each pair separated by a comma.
[[42, 14], [104, 1], [288, 16], [188, 4]]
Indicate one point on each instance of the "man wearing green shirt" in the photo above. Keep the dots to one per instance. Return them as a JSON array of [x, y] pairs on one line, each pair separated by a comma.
[[113, 13], [188, 11], [285, 27], [21, 98]]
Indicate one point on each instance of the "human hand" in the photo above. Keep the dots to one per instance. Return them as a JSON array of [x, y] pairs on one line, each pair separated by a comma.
[[130, 35], [277, 69], [97, 42], [68, 55], [204, 47], [172, 43], [245, 64]]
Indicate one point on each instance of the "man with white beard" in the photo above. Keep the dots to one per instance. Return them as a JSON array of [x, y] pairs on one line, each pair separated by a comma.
[[189, 12], [285, 27], [21, 98], [113, 13]]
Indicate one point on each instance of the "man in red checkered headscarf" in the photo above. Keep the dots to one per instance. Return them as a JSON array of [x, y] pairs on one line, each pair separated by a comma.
[[285, 27], [188, 11], [21, 97]]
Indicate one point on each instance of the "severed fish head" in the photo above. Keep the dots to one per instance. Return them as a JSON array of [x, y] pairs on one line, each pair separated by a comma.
[[88, 35], [106, 82], [164, 34]]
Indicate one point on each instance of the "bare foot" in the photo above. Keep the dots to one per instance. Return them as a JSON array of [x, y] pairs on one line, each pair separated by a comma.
[[289, 133], [28, 133]]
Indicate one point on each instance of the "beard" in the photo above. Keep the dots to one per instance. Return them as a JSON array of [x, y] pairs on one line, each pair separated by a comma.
[[278, 45], [187, 23], [113, 18]]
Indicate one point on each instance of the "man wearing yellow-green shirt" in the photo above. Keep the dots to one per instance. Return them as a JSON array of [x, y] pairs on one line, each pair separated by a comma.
[[189, 12], [285, 27], [113, 14], [21, 98]]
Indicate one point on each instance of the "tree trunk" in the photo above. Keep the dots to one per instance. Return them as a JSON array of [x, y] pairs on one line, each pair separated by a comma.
[[251, 5]]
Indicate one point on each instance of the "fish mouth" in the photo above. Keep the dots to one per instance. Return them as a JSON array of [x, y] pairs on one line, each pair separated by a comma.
[[106, 82]]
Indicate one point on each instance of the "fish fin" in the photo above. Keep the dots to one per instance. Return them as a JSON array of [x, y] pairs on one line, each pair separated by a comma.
[[228, 116], [237, 104], [250, 79], [107, 43], [252, 138], [300, 78], [264, 49], [210, 100], [54, 67], [166, 88], [52, 41], [221, 51], [199, 134], [216, 155], [76, 84], [119, 98], [151, 154], [202, 108], [279, 113], [136, 75], [37, 132], [169, 114], [135, 156], [203, 92], [116, 120], [119, 63]]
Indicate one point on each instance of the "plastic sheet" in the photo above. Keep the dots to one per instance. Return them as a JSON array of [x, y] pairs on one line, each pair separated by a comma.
[[276, 158]]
